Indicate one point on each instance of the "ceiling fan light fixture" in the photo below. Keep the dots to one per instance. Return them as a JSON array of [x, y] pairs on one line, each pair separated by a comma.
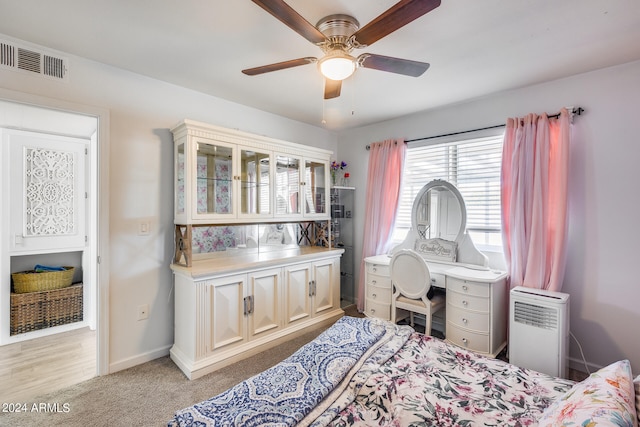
[[337, 65]]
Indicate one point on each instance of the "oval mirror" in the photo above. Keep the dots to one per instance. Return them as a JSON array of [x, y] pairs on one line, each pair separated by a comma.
[[439, 212]]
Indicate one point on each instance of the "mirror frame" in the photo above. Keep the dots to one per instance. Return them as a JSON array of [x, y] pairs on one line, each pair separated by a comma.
[[452, 188]]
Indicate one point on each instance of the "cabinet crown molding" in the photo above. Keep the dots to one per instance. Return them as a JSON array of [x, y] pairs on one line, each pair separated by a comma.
[[218, 133]]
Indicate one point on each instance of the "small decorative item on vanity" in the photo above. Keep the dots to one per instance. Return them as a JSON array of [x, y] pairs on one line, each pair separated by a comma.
[[334, 170]]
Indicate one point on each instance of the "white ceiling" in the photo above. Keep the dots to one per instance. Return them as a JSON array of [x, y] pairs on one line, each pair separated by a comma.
[[475, 48]]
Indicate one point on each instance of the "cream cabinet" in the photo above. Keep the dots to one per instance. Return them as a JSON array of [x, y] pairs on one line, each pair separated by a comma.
[[232, 304], [378, 289], [218, 181], [310, 289], [477, 314], [301, 187], [223, 175], [227, 311], [476, 309], [246, 307]]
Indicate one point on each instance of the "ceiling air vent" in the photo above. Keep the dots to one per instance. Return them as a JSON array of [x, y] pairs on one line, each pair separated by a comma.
[[7, 55], [29, 60], [32, 61], [53, 67]]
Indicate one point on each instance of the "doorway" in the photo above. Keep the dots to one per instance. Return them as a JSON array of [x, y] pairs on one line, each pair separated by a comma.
[[57, 119]]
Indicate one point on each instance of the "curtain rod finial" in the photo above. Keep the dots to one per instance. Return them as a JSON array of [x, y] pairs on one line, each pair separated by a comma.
[[573, 111]]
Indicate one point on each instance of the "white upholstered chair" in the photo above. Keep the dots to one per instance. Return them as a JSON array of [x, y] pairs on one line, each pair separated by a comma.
[[411, 282]]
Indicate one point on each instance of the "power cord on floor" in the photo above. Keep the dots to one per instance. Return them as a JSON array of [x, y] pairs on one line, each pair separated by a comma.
[[581, 352]]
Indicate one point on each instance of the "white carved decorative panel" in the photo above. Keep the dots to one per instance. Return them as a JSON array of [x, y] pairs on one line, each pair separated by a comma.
[[49, 192], [46, 188]]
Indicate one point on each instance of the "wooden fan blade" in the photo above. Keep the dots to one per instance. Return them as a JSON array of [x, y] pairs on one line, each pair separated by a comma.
[[393, 65], [394, 18], [288, 16], [332, 88], [279, 66]]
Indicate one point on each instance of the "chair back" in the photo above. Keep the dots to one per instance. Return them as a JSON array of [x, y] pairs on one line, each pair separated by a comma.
[[410, 274]]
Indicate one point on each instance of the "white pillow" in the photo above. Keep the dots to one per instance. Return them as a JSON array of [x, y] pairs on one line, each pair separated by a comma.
[[605, 398]]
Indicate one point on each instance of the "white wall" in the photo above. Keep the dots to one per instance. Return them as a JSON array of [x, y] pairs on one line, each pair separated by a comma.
[[142, 111], [601, 275]]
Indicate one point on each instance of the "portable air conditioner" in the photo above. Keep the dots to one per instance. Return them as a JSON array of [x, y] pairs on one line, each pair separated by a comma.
[[539, 330]]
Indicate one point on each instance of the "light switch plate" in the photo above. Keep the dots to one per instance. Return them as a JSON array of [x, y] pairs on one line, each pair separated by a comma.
[[145, 228]]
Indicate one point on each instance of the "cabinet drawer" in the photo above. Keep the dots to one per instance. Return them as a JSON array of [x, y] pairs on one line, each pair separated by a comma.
[[376, 309], [475, 321], [379, 281], [381, 269], [379, 295], [468, 287], [467, 302], [466, 339]]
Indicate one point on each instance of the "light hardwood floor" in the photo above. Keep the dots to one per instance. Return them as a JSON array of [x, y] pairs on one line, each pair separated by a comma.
[[42, 365]]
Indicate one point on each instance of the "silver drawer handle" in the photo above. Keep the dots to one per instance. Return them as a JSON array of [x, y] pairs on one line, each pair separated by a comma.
[[464, 320], [375, 295], [373, 282], [464, 340], [373, 310], [464, 288], [375, 269], [464, 303]]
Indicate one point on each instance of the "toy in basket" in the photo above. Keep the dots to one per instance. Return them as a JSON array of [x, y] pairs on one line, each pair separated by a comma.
[[42, 278]]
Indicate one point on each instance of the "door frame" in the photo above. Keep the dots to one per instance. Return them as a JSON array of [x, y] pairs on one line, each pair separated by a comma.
[[101, 261]]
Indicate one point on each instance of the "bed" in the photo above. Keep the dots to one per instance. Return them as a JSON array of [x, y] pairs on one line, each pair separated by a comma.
[[364, 371]]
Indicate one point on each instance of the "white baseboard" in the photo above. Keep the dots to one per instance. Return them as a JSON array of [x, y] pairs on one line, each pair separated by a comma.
[[578, 365], [139, 359]]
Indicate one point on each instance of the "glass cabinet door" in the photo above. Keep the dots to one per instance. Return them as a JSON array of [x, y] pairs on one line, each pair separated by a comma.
[[214, 173], [287, 185], [180, 189], [255, 179], [315, 188]]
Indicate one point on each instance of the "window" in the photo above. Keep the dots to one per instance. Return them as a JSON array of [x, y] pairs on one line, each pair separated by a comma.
[[473, 166]]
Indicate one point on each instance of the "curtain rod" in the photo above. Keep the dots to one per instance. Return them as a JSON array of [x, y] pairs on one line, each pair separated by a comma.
[[577, 111]]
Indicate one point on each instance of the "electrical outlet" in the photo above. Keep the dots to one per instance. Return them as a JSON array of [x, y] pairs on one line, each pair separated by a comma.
[[143, 311]]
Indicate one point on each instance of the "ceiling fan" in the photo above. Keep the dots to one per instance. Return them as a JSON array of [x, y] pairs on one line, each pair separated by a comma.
[[338, 35]]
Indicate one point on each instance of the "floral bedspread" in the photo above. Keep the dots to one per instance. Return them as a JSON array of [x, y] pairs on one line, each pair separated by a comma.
[[371, 372], [432, 383]]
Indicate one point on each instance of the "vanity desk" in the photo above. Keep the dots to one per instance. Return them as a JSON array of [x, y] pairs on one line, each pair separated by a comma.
[[476, 302], [477, 296]]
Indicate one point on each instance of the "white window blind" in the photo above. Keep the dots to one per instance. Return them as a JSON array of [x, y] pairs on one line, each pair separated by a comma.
[[473, 166]]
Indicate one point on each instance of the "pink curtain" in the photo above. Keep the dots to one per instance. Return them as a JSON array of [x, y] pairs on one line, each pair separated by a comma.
[[535, 164], [386, 162]]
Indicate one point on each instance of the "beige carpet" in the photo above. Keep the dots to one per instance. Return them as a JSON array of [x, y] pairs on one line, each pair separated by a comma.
[[146, 395]]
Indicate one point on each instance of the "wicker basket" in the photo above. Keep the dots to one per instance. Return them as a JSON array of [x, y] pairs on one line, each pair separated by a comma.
[[30, 281], [38, 310]]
